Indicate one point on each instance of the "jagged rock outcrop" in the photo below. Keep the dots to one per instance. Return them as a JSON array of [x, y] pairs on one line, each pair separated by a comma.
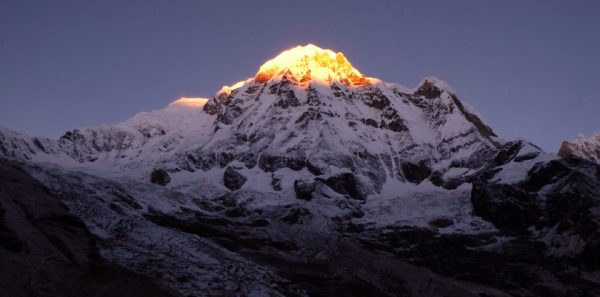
[[587, 148]]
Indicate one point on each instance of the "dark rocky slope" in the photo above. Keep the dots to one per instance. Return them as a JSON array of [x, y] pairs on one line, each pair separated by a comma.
[[46, 251]]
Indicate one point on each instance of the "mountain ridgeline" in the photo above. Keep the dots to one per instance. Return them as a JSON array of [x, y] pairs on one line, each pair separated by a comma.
[[377, 131]]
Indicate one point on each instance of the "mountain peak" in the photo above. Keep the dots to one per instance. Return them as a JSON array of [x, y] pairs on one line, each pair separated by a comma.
[[311, 63], [432, 87], [587, 148]]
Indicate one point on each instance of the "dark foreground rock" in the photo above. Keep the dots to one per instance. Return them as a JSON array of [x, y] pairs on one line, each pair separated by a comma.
[[343, 266], [46, 251]]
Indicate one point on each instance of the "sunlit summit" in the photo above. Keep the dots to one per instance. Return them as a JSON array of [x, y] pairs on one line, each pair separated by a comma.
[[311, 62]]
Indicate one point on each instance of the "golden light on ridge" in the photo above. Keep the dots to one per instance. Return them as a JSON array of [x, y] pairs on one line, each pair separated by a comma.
[[311, 62], [226, 90], [190, 102]]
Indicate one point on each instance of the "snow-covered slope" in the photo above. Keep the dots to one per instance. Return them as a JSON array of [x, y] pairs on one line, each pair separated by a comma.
[[145, 138], [306, 108], [587, 148]]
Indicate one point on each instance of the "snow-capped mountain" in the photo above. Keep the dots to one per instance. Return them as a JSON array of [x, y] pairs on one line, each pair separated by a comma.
[[587, 148], [307, 179], [306, 108]]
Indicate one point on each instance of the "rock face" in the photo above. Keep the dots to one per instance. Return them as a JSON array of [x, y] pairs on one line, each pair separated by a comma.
[[508, 207], [232, 179], [556, 197], [160, 177], [587, 148]]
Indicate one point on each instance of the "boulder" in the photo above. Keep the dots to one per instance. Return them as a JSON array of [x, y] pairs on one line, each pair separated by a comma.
[[160, 177], [232, 179], [275, 183], [415, 173], [304, 189]]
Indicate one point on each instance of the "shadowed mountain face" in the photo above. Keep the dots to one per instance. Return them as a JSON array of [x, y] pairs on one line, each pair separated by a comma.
[[190, 242], [308, 179]]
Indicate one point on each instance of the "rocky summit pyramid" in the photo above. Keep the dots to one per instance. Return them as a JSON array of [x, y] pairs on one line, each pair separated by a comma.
[[307, 179]]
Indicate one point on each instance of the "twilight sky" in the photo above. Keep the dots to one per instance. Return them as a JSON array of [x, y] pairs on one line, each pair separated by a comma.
[[532, 68]]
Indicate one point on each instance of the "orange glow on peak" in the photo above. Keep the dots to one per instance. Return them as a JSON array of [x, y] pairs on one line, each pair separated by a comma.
[[226, 90], [189, 102], [311, 62]]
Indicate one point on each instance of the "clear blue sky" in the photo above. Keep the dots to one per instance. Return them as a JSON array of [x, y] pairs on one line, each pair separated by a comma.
[[532, 68]]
